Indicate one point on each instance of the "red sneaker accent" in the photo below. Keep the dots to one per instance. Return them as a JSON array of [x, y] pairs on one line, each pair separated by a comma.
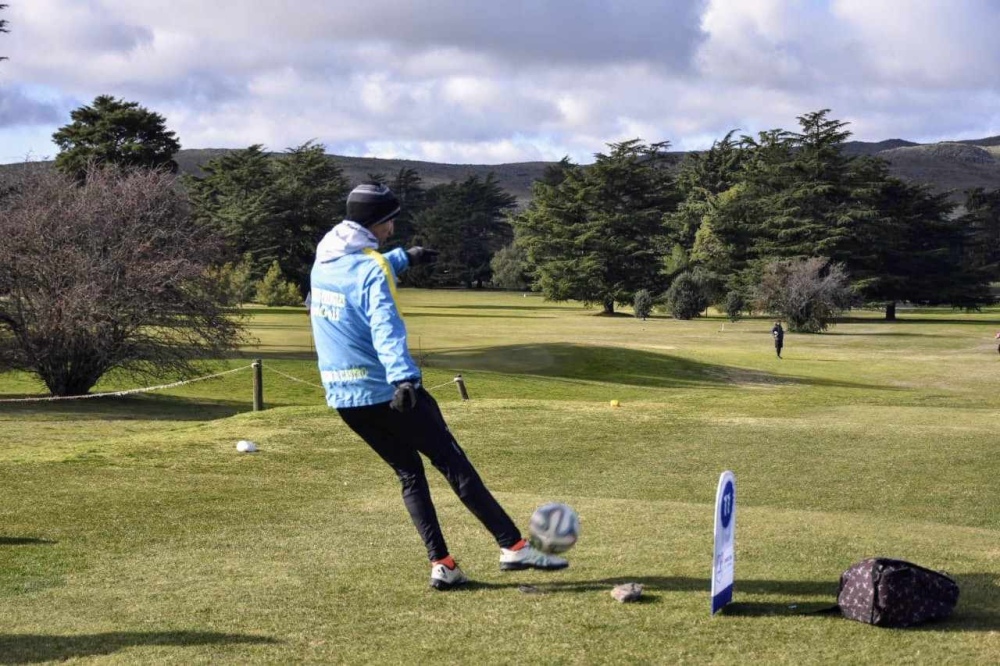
[[447, 561], [519, 545]]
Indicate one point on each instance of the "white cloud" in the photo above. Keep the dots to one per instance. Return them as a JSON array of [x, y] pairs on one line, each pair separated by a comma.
[[455, 80], [927, 43], [459, 152], [19, 107]]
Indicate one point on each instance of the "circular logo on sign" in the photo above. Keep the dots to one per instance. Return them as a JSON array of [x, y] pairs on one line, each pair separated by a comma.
[[727, 504]]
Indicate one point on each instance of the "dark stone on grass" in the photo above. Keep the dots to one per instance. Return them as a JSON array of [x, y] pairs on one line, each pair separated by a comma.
[[627, 592]]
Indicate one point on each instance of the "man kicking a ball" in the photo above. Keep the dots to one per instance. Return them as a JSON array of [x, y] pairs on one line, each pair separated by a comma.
[[373, 383]]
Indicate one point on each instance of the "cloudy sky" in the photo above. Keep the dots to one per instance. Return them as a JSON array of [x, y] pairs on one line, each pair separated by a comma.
[[492, 81]]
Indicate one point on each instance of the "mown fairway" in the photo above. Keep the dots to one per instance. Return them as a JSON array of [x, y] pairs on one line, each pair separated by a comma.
[[132, 531]]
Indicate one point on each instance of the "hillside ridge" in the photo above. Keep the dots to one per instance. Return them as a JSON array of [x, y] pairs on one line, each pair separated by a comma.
[[945, 166]]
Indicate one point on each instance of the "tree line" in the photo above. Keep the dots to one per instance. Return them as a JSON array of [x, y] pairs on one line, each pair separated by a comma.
[[600, 233], [111, 262], [734, 219], [273, 210], [782, 222]]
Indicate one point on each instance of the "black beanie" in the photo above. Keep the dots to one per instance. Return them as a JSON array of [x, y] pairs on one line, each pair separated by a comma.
[[371, 203]]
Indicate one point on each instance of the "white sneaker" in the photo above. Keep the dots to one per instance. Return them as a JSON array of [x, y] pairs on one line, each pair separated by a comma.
[[443, 578], [529, 557]]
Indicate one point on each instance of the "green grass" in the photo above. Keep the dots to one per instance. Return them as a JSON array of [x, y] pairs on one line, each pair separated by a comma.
[[131, 530]]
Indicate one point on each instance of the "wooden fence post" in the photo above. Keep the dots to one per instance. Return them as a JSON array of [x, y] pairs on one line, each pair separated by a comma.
[[258, 386], [461, 387]]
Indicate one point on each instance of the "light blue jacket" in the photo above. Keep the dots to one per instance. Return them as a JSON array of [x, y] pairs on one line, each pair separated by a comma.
[[359, 333]]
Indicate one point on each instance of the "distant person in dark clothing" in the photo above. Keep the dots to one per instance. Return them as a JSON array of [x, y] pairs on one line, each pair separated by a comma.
[[778, 334], [997, 337]]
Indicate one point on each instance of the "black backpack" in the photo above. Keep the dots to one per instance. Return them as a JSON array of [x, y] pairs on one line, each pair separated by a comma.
[[894, 593]]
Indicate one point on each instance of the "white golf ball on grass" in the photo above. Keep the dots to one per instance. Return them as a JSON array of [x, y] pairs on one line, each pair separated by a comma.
[[245, 446]]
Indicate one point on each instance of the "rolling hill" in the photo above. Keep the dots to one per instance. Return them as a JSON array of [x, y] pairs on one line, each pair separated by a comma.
[[515, 178], [948, 166]]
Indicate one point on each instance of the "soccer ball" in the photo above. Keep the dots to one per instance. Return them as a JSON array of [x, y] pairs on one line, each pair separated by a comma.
[[554, 527]]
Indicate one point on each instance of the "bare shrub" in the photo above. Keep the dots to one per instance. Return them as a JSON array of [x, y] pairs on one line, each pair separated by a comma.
[[807, 293], [106, 275]]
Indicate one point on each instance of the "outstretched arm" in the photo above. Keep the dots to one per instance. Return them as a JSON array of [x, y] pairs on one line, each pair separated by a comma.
[[387, 328]]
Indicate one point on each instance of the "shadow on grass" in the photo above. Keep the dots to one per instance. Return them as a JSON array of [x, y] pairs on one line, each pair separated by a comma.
[[764, 609], [677, 584], [493, 307], [36, 648], [132, 408], [300, 311], [415, 315], [959, 621], [283, 326], [306, 354], [618, 365], [918, 320], [978, 606], [23, 541], [888, 334]]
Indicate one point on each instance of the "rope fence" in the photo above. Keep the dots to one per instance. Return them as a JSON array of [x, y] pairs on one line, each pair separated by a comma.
[[258, 387], [450, 381], [294, 379], [119, 394], [456, 380]]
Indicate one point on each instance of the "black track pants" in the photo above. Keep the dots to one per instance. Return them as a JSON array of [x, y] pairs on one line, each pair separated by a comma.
[[399, 438]]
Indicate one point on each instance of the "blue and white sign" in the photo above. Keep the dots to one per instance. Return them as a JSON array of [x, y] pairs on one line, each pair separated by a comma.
[[724, 559]]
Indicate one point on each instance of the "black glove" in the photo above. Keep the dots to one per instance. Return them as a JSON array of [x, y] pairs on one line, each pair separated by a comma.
[[405, 397], [422, 255]]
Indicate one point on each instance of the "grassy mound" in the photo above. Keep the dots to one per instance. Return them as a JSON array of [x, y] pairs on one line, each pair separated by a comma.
[[132, 531]]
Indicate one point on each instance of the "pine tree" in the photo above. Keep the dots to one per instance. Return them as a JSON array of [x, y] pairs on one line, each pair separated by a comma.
[[701, 179], [786, 195], [598, 235], [408, 188], [731, 228], [276, 208], [467, 223], [982, 227], [808, 205], [914, 248], [113, 131], [310, 197], [237, 197]]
